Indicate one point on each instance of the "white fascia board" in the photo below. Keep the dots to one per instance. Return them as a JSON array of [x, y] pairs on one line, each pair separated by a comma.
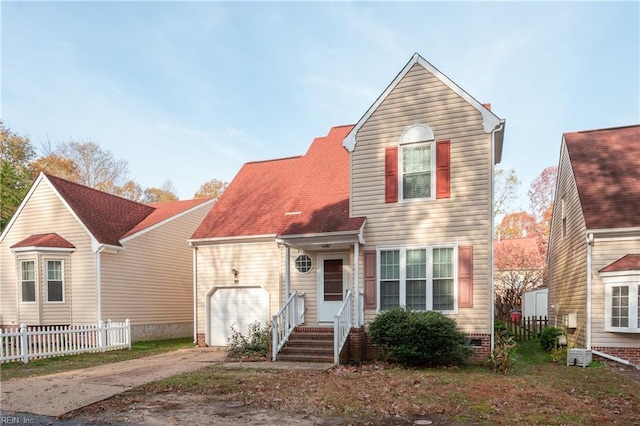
[[612, 232], [106, 248], [167, 220], [43, 249], [232, 240], [490, 121]]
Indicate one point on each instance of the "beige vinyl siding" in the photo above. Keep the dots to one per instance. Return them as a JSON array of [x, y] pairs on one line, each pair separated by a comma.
[[150, 281], [56, 313], [464, 218], [568, 256], [258, 264], [305, 283], [45, 213], [605, 252]]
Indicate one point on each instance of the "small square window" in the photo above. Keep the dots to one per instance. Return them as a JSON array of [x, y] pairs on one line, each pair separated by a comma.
[[303, 264]]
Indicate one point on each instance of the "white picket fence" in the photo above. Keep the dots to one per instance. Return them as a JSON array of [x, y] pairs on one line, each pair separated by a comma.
[[25, 343]]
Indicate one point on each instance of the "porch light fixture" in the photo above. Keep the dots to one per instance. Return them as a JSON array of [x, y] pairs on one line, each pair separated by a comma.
[[235, 273]]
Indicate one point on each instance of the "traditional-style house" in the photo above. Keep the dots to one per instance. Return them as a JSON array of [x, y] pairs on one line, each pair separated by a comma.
[[74, 255], [594, 246], [394, 211]]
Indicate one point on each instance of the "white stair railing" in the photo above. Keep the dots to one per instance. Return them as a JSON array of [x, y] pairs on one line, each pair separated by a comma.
[[285, 321], [342, 323]]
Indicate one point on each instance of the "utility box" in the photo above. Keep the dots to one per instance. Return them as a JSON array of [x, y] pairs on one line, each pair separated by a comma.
[[570, 320], [580, 357]]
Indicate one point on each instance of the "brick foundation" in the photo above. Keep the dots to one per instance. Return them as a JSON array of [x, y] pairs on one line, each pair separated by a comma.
[[629, 354], [201, 340]]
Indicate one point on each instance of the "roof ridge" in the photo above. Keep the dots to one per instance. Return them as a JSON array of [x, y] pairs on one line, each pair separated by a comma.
[[630, 126], [293, 157], [48, 175]]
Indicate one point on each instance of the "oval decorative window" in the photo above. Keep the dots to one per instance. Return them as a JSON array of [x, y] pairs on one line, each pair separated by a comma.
[[303, 264]]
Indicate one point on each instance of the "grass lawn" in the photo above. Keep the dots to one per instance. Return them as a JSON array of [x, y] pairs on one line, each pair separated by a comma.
[[536, 391], [39, 367]]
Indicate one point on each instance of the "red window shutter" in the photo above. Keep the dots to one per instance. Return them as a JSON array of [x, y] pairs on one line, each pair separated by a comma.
[[391, 175], [465, 277], [370, 270], [443, 169]]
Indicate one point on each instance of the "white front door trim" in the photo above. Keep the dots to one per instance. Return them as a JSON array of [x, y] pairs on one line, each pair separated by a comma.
[[327, 309]]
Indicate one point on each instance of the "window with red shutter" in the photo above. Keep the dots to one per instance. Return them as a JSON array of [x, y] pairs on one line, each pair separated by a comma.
[[443, 169], [391, 175], [370, 285], [465, 277]]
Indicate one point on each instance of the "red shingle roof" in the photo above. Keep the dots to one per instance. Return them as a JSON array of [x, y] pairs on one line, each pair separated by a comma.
[[110, 217], [630, 262], [606, 165], [44, 240], [299, 195]]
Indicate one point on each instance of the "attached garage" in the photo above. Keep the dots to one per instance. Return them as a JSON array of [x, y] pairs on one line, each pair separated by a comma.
[[237, 307]]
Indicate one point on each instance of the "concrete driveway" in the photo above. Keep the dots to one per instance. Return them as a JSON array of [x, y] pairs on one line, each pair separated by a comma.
[[57, 394]]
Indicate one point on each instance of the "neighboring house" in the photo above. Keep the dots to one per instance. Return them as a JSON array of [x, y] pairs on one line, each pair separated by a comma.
[[397, 209], [594, 247], [75, 255], [518, 268]]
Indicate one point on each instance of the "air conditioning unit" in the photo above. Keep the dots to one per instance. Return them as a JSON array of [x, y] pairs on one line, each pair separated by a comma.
[[581, 357]]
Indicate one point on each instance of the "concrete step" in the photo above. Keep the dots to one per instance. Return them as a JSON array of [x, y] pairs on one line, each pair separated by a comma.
[[304, 358]]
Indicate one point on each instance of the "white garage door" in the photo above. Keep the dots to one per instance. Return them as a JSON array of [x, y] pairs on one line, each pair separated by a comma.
[[237, 307]]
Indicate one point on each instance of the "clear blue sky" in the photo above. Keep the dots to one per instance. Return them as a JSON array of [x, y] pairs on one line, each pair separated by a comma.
[[189, 91]]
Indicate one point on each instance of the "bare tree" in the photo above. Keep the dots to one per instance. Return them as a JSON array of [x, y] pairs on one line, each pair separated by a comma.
[[94, 166], [506, 183]]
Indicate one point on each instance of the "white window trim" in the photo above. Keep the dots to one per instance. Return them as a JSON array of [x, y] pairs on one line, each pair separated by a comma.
[[46, 280], [429, 275], [35, 281], [414, 136], [622, 279], [295, 266], [432, 146]]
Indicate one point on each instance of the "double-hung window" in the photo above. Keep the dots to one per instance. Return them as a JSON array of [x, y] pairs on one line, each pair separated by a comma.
[[416, 171], [28, 281], [418, 278], [622, 304], [54, 284]]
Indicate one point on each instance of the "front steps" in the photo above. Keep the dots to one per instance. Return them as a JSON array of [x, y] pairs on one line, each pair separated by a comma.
[[308, 344]]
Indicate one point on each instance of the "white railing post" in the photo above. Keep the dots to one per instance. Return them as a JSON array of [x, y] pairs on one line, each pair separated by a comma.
[[128, 331], [274, 340], [24, 342], [102, 336]]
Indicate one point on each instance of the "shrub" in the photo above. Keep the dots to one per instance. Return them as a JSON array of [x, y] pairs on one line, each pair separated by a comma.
[[256, 343], [559, 355], [504, 349], [549, 338], [420, 338]]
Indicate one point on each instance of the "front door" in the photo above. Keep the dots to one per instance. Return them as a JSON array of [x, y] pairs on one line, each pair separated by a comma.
[[333, 278]]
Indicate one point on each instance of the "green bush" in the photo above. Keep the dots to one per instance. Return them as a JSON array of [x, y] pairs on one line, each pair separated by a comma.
[[549, 338], [420, 338], [256, 343]]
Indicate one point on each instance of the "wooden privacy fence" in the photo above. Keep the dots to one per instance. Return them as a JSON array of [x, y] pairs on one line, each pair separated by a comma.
[[527, 328], [24, 343]]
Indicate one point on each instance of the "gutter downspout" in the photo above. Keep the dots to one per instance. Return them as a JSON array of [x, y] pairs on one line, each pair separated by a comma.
[[287, 272], [195, 294], [356, 283], [615, 358], [588, 334], [99, 282], [491, 220]]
